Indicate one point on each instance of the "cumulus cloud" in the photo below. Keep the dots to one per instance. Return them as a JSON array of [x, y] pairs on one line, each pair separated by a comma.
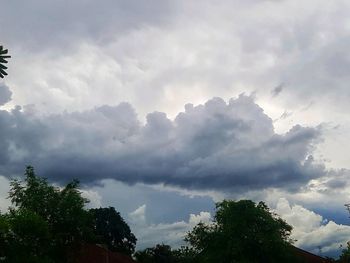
[[311, 231], [170, 233], [138, 216], [158, 55], [94, 198], [217, 145]]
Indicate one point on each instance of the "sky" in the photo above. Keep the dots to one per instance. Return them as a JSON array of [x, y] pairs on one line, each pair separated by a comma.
[[162, 108]]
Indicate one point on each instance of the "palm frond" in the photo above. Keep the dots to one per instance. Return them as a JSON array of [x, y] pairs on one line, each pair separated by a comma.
[[3, 60]]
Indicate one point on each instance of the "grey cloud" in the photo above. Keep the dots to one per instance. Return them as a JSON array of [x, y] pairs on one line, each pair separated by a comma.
[[277, 90], [164, 206], [5, 94], [337, 179], [39, 24], [217, 145], [151, 52], [284, 116]]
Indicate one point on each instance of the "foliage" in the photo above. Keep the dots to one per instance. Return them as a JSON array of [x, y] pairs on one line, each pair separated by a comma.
[[111, 229], [3, 60], [345, 256], [185, 255], [242, 232], [62, 210], [158, 254], [25, 237], [48, 223], [164, 254]]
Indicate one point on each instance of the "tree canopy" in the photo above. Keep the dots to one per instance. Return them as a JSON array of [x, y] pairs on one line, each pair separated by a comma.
[[47, 223], [242, 232], [111, 229], [162, 253]]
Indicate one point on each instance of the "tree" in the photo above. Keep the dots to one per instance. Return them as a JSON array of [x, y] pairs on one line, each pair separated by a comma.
[[111, 229], [3, 60], [159, 254], [185, 254], [242, 232], [60, 211], [24, 237], [345, 255], [164, 254]]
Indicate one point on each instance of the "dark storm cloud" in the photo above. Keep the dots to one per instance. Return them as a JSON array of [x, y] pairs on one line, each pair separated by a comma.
[[217, 145]]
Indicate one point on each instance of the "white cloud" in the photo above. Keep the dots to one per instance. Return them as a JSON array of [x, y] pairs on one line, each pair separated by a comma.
[[202, 217], [4, 189], [312, 231], [95, 199], [171, 233], [138, 216]]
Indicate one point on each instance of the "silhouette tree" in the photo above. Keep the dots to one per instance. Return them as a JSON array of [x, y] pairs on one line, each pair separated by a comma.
[[3, 60], [164, 254], [111, 229]]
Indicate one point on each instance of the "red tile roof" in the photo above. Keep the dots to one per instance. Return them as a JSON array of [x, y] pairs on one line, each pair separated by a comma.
[[309, 257], [98, 254]]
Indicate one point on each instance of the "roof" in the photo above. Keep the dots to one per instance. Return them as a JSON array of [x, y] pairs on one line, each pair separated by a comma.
[[91, 253], [309, 257]]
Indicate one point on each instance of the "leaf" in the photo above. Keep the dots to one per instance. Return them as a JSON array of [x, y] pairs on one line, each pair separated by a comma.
[[3, 60]]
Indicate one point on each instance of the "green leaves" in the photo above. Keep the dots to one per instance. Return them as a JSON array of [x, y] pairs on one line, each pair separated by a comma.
[[50, 223], [111, 229], [3, 60], [24, 237], [41, 210], [164, 254], [242, 232]]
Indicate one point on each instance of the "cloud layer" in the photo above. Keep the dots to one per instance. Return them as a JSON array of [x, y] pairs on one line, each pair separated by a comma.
[[217, 145]]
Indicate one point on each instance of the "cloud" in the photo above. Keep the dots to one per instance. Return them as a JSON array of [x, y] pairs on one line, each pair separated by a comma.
[[5, 94], [172, 48], [217, 145], [312, 231], [4, 189], [277, 90], [138, 216], [164, 205], [158, 55], [94, 198], [170, 233], [79, 20]]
